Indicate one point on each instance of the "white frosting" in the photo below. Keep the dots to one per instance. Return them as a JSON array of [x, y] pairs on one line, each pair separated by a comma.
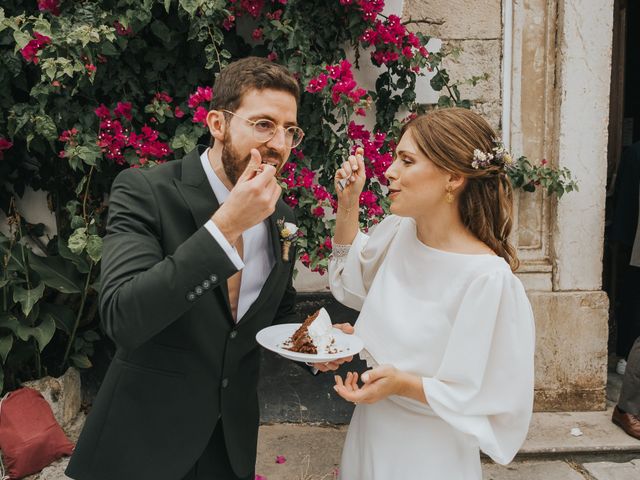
[[320, 332]]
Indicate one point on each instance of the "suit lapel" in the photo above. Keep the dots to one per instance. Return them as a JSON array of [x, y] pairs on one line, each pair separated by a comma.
[[202, 202], [198, 195]]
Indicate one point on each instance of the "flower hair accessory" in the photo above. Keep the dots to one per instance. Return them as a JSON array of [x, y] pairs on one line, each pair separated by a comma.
[[288, 233], [499, 156]]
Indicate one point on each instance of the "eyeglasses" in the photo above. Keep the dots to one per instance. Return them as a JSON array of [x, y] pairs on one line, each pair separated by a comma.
[[264, 130]]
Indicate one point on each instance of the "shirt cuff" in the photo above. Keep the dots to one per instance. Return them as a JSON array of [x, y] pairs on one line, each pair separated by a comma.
[[231, 252]]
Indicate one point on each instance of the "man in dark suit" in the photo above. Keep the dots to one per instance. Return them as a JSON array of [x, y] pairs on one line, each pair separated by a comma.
[[192, 269]]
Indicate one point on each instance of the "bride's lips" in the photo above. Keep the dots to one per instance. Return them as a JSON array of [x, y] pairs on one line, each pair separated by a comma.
[[393, 193]]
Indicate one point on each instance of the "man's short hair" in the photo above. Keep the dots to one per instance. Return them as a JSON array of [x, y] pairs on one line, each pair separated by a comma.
[[247, 74]]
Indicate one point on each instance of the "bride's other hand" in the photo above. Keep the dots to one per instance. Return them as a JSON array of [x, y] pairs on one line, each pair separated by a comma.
[[330, 366], [378, 383], [344, 327]]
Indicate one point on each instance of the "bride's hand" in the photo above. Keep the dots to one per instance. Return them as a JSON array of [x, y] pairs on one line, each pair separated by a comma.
[[379, 383], [350, 178], [344, 328]]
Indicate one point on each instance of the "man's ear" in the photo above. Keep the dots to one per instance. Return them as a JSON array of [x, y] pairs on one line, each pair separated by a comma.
[[217, 124]]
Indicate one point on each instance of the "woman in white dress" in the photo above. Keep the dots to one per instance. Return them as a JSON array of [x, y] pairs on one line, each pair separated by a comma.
[[447, 326]]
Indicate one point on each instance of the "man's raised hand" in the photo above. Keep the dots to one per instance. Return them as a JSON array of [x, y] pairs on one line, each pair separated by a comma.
[[252, 199]]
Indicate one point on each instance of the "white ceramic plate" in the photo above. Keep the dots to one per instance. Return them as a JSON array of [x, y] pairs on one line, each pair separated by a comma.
[[272, 338]]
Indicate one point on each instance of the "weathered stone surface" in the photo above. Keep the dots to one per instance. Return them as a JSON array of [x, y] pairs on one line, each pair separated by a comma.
[[571, 350], [476, 58], [556, 470], [62, 393], [614, 471], [462, 18]]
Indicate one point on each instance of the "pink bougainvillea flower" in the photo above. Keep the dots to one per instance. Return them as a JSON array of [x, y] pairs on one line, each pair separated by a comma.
[[318, 212], [121, 30], [260, 477], [4, 145], [102, 112], [123, 110], [280, 459], [257, 34], [317, 84], [178, 112], [163, 97], [90, 68], [200, 116], [68, 135], [229, 22], [275, 15], [202, 94], [52, 6], [273, 56], [30, 50]]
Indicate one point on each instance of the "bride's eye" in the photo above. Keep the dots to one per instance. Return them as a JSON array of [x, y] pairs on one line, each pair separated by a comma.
[[405, 161]]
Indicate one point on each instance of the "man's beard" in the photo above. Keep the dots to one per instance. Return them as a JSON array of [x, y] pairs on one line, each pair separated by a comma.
[[234, 166]]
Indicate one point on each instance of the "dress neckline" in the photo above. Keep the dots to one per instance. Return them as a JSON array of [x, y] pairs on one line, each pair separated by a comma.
[[445, 252]]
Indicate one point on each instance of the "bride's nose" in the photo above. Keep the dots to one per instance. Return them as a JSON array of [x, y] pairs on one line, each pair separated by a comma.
[[390, 173]]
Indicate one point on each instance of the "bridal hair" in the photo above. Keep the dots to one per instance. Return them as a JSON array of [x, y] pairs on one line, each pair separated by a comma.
[[449, 137]]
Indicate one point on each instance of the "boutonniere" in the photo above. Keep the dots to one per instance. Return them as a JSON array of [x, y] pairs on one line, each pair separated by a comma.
[[288, 233]]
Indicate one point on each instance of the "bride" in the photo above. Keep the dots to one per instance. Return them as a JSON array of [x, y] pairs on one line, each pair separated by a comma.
[[447, 326]]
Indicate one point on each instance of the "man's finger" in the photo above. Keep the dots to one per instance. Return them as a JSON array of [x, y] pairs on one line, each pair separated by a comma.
[[252, 167]]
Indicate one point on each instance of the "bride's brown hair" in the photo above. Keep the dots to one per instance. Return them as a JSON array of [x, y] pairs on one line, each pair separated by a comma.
[[448, 137]]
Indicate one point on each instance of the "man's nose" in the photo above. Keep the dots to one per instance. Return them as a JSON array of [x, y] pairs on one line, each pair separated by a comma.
[[279, 140]]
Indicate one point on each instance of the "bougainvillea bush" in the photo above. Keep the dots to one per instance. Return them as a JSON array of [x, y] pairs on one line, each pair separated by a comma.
[[88, 88]]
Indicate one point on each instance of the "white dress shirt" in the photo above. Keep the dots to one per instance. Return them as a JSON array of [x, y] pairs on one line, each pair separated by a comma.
[[258, 256]]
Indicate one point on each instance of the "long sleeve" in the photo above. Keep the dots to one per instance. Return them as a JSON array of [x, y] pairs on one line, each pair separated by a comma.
[[351, 276], [142, 289], [484, 384]]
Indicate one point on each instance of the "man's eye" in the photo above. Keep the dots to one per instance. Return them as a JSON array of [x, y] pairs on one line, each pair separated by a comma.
[[264, 125]]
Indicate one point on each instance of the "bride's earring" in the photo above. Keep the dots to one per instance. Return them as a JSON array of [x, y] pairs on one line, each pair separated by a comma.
[[449, 195]]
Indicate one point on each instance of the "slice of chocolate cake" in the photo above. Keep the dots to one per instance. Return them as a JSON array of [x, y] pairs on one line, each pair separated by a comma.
[[313, 336]]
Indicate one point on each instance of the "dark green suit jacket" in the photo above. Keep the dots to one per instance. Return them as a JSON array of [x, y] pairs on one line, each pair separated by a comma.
[[181, 362]]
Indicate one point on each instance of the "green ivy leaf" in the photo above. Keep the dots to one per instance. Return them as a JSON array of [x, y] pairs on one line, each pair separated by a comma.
[[78, 240], [27, 297], [80, 360], [94, 247], [63, 317], [56, 272], [80, 263], [9, 321], [43, 333], [6, 343]]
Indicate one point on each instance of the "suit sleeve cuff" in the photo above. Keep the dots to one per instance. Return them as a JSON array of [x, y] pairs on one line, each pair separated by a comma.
[[231, 252]]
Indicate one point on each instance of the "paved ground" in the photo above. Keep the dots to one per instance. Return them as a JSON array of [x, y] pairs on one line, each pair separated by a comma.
[[551, 452]]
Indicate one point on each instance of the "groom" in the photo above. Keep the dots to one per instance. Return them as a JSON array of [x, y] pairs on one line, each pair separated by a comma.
[[192, 269]]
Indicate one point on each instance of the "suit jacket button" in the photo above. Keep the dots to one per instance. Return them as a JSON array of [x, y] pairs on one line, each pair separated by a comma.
[[233, 334], [225, 382], [191, 296], [199, 290], [206, 284], [213, 277]]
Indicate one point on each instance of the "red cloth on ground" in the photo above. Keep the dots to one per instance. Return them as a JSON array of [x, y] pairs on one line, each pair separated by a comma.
[[30, 437]]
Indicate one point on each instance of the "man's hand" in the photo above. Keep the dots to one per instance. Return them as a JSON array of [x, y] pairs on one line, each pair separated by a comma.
[[252, 199], [331, 366]]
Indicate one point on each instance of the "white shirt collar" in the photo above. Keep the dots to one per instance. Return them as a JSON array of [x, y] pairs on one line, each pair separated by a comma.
[[219, 189]]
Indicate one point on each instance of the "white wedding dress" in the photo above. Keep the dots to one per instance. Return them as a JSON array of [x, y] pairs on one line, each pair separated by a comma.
[[461, 322]]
